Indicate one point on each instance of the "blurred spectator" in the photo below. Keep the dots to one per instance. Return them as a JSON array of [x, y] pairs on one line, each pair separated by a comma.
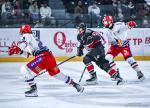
[[26, 5], [34, 12], [147, 9], [46, 15], [89, 2], [131, 9], [94, 12], [114, 6], [79, 10], [145, 22], [18, 14], [120, 15], [7, 14]]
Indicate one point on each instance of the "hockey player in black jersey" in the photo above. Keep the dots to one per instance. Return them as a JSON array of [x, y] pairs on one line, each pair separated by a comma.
[[92, 42]]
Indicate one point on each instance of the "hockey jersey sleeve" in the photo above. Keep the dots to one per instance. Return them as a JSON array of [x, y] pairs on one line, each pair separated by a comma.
[[120, 30], [26, 43]]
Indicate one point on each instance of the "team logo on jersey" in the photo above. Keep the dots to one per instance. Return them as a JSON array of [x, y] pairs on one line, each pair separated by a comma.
[[35, 62]]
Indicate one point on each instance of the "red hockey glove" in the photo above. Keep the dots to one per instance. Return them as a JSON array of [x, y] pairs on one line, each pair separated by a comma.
[[14, 50], [131, 24]]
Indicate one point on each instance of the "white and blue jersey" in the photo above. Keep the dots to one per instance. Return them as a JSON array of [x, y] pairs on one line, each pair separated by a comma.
[[31, 45]]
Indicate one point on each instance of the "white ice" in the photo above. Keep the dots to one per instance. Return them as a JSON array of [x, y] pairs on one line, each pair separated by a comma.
[[55, 94]]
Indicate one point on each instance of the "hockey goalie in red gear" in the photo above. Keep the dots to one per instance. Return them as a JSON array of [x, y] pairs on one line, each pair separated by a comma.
[[43, 59], [117, 36]]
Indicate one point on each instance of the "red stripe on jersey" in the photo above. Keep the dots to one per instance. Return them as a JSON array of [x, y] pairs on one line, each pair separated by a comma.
[[91, 45]]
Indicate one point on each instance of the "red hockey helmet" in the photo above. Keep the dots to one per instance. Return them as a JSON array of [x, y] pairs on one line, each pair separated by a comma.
[[25, 29], [108, 18], [107, 21]]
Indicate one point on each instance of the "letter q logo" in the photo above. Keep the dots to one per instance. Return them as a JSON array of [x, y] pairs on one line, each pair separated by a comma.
[[60, 40]]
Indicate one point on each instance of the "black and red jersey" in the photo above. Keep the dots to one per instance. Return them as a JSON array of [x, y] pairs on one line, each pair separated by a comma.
[[89, 39]]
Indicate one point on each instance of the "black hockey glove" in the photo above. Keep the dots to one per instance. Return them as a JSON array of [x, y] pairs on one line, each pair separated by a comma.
[[79, 51]]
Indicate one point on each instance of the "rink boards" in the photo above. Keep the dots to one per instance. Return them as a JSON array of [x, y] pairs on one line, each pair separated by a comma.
[[62, 42]]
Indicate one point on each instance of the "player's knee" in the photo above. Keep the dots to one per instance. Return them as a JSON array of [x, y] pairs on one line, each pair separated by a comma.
[[23, 69], [109, 57], [130, 60], [86, 60], [106, 67], [26, 72]]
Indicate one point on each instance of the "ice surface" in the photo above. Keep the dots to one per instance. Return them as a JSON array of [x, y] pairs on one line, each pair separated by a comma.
[[55, 94]]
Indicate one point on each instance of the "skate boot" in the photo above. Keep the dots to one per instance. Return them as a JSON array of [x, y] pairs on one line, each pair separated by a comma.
[[118, 75], [140, 76], [120, 81], [78, 87], [92, 80], [117, 78], [32, 92]]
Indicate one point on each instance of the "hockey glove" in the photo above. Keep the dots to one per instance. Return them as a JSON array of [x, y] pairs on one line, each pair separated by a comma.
[[120, 42], [131, 24], [14, 50], [79, 51]]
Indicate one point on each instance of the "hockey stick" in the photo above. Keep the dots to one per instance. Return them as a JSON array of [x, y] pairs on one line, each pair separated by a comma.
[[82, 74], [4, 51], [57, 65]]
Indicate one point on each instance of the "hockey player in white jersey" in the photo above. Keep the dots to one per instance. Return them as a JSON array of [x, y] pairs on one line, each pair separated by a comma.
[[43, 59], [117, 36]]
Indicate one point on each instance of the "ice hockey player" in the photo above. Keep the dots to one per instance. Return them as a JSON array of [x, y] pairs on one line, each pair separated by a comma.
[[117, 36], [44, 59], [92, 42]]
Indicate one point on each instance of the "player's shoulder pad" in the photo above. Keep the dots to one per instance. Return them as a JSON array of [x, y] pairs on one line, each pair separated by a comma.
[[92, 32], [89, 31], [119, 23]]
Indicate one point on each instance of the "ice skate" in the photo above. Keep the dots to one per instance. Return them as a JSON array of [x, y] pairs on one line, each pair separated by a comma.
[[118, 75], [140, 76], [92, 80], [32, 92], [78, 87], [120, 81]]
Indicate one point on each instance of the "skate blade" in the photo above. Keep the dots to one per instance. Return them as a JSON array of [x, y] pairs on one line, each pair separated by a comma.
[[92, 83], [113, 79], [80, 92], [120, 83], [31, 95], [82, 89], [142, 78]]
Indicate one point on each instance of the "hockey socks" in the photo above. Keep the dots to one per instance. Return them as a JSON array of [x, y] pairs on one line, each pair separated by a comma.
[[68, 80], [115, 76]]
